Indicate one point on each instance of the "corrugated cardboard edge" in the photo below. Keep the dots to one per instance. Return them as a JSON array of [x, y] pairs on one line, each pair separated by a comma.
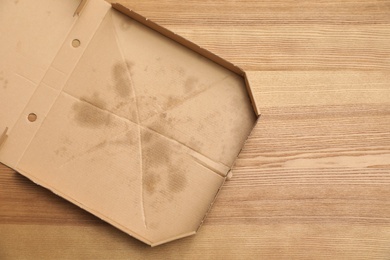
[[227, 177], [3, 136], [80, 7], [177, 38], [250, 134], [190, 45], [251, 96]]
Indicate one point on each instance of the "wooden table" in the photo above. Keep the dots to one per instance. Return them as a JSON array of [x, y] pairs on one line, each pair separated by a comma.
[[313, 181]]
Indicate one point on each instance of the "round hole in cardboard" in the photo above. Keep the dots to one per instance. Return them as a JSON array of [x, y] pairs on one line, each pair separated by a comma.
[[76, 43], [32, 117]]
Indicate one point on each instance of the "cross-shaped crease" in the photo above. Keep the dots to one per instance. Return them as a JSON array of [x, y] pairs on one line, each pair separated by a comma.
[[83, 153], [138, 121], [188, 98]]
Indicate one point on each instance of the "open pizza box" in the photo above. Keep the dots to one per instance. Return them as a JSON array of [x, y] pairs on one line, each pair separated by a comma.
[[118, 115]]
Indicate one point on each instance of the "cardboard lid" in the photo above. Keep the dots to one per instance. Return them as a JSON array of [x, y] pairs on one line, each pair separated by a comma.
[[118, 115]]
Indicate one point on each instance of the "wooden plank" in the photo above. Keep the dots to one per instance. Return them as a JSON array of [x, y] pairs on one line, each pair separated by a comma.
[[282, 34], [286, 241]]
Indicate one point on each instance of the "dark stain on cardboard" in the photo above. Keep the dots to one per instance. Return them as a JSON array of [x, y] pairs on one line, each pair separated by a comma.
[[61, 151], [151, 182], [163, 115], [98, 146], [121, 73], [188, 120], [190, 84], [177, 180], [164, 172], [120, 105], [127, 109], [90, 112], [128, 139], [96, 101], [161, 71], [213, 118], [171, 121], [144, 101], [200, 127], [5, 83], [181, 71], [156, 157], [159, 126], [133, 116], [156, 154], [66, 140], [146, 137], [195, 144], [173, 101]]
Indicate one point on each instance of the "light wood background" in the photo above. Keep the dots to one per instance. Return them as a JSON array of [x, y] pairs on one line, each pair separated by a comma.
[[313, 181]]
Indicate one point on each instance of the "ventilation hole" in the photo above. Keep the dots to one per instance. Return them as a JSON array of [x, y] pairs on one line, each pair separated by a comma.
[[32, 117], [76, 43]]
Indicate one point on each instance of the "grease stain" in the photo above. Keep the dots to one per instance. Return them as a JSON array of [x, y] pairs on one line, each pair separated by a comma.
[[190, 84], [5, 84], [151, 182], [165, 169], [3, 80], [89, 112], [121, 73], [173, 101], [128, 139], [177, 180], [99, 146], [155, 154], [61, 151]]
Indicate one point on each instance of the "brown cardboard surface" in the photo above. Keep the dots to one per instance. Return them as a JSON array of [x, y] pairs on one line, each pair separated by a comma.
[[132, 125]]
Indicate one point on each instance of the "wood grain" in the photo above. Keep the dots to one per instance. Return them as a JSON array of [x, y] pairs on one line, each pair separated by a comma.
[[313, 181]]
